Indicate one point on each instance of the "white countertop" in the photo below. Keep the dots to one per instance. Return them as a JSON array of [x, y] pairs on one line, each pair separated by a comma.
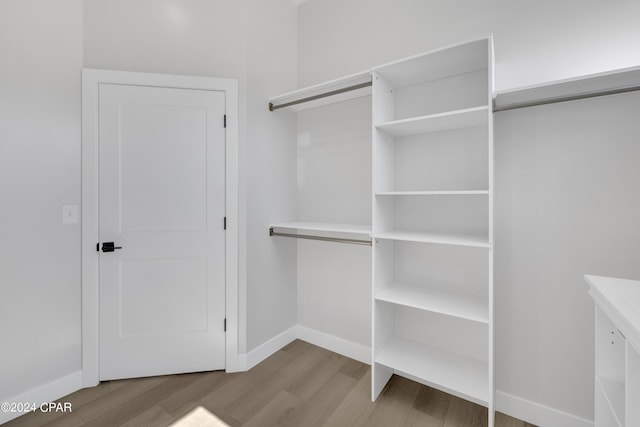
[[620, 300]]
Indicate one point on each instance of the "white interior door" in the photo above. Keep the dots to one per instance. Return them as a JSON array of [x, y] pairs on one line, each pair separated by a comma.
[[162, 200]]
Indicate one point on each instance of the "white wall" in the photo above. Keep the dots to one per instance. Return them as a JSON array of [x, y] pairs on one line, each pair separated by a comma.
[[193, 37], [41, 57], [535, 41], [550, 233], [334, 186], [271, 169], [41, 51], [567, 185]]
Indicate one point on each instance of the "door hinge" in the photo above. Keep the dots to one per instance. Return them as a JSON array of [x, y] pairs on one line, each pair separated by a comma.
[[225, 324], [225, 120], [98, 247], [225, 222]]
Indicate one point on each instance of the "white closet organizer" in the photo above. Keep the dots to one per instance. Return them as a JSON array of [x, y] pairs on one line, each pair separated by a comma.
[[432, 221], [321, 95], [432, 215], [617, 337]]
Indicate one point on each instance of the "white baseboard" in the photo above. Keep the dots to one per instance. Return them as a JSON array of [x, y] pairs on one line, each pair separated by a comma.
[[326, 341], [44, 394], [335, 344], [265, 350], [536, 413]]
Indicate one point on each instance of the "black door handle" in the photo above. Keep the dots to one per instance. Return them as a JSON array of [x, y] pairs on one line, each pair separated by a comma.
[[109, 247]]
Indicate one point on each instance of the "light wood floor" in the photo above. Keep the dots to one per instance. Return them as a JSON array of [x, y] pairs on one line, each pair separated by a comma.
[[300, 385]]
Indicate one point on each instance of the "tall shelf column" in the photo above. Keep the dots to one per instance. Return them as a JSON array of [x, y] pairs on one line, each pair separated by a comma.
[[432, 228]]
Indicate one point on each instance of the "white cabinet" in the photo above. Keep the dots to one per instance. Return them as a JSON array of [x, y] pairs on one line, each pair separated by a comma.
[[432, 221], [617, 344]]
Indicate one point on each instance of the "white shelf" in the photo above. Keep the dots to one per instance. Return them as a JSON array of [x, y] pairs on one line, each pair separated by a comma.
[[614, 395], [322, 88], [437, 64], [575, 86], [420, 96], [323, 227], [434, 193], [450, 120], [470, 307], [439, 238], [458, 375]]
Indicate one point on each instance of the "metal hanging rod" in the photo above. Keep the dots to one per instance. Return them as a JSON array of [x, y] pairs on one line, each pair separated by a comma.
[[553, 100], [320, 96], [321, 238]]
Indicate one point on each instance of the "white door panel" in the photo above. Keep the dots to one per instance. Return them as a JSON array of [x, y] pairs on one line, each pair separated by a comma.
[[162, 199], [152, 304], [174, 176]]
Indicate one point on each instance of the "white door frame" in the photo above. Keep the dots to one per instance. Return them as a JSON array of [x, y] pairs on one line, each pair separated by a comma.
[[91, 80]]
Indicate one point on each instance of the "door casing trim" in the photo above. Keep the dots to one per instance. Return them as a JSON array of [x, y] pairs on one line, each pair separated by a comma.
[[91, 80]]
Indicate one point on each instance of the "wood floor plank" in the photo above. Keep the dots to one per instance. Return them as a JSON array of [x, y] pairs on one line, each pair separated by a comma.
[[417, 418], [87, 395], [309, 381], [464, 413], [275, 413], [142, 401], [299, 385], [77, 399], [36, 418], [154, 416], [395, 403], [98, 399], [219, 399], [356, 407], [432, 402], [245, 406], [504, 420], [355, 369], [316, 411], [188, 396], [117, 397], [67, 420]]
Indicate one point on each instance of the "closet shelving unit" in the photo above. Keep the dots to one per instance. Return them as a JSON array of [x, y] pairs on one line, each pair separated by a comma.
[[432, 221], [432, 216], [335, 91]]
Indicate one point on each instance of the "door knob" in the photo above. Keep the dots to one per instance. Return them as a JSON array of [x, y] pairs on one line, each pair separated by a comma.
[[109, 247]]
